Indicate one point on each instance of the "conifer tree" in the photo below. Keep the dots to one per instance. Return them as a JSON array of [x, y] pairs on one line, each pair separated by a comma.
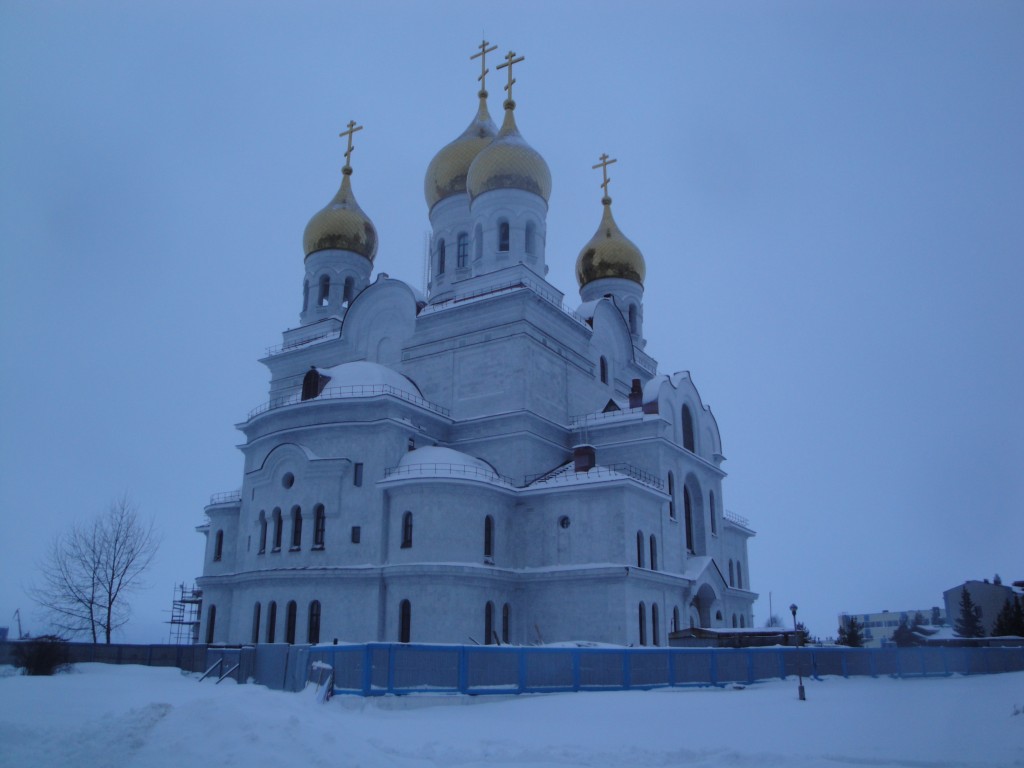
[[969, 624], [850, 634], [1004, 621]]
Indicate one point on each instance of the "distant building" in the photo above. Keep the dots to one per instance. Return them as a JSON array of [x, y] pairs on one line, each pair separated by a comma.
[[988, 596], [878, 628]]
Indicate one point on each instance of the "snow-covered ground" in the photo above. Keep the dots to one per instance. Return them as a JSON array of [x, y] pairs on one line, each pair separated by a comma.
[[101, 715]]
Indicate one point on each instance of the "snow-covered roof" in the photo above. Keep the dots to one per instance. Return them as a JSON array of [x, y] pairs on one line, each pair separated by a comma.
[[366, 374], [437, 455]]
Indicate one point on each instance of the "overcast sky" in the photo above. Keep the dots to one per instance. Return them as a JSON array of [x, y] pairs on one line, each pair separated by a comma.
[[829, 197]]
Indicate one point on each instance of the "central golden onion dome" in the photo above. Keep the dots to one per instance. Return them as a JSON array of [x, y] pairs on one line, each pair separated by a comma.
[[446, 174], [508, 162], [341, 225], [609, 253]]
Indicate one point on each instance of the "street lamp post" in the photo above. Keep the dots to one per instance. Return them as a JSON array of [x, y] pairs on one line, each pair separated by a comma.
[[799, 662]]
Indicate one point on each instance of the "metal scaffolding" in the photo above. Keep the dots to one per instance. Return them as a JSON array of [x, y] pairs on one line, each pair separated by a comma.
[[185, 611]]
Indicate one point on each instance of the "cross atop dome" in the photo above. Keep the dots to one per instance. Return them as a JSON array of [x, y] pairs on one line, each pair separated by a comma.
[[484, 50], [603, 165], [352, 128], [510, 59]]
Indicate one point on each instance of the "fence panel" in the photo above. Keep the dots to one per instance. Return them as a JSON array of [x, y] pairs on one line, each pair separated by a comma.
[[548, 669], [602, 668], [491, 670]]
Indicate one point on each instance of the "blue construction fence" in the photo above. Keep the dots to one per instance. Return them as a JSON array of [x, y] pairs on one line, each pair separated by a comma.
[[376, 669]]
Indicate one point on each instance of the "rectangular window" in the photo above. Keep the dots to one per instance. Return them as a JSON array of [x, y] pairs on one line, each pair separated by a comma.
[[356, 531], [357, 475]]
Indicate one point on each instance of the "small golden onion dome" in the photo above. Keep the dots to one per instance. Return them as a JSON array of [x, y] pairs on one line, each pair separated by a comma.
[[508, 162], [610, 253], [446, 174], [341, 225]]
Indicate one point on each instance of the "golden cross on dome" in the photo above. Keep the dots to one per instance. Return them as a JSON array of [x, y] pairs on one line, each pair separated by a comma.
[[484, 50], [352, 128], [510, 59], [603, 165]]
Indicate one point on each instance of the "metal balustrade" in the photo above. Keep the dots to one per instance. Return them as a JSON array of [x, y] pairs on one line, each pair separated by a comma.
[[447, 470], [354, 391]]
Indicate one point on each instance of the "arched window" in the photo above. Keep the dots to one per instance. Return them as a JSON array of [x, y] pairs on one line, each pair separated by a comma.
[[440, 256], [319, 526], [505, 623], [604, 369], [714, 519], [643, 624], [655, 628], [718, 615], [688, 512], [211, 622], [256, 623], [732, 574], [263, 532], [639, 549], [503, 235], [489, 623], [404, 621], [739, 575], [271, 621], [350, 289], [478, 242], [743, 621], [312, 384], [462, 250], [218, 546], [687, 428], [531, 230], [734, 622], [671, 496], [305, 295], [675, 619], [489, 538], [407, 530], [277, 529], [313, 631], [296, 528], [634, 325], [654, 553], [325, 291], [289, 627]]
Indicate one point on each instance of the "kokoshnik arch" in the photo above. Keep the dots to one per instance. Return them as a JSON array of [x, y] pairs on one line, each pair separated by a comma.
[[480, 463]]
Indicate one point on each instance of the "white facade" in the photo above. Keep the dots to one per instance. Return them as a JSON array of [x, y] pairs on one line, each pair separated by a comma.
[[422, 470]]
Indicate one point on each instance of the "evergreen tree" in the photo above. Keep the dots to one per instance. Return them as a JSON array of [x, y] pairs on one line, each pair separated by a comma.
[[904, 636], [969, 624], [1018, 616], [850, 634], [1004, 621]]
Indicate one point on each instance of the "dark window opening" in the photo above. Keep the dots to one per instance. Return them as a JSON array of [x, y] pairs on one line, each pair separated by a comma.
[[357, 475], [305, 295], [412, 443], [503, 236], [271, 621], [643, 624], [325, 291], [404, 622], [671, 496], [313, 631], [350, 289], [256, 623], [655, 625], [407, 530], [504, 623], [530, 236], [675, 619], [319, 526], [688, 442], [313, 384], [634, 323], [732, 574], [211, 622], [278, 525], [296, 528], [604, 370], [739, 575], [440, 257], [489, 623], [356, 534], [478, 242], [654, 553], [263, 533], [688, 512], [462, 250], [639, 549], [711, 504], [218, 546], [489, 537], [289, 631]]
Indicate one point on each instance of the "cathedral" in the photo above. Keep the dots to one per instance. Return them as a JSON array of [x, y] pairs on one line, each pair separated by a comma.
[[482, 463]]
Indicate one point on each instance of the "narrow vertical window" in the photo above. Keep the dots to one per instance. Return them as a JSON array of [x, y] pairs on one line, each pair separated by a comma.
[[407, 530], [489, 623], [531, 230], [211, 623], [296, 528], [675, 619], [732, 574], [688, 442], [714, 517], [404, 622], [313, 631], [255, 623], [350, 289], [277, 529], [289, 627], [271, 621], [739, 575], [735, 624], [504, 623], [671, 496], [643, 624], [655, 625], [604, 369], [357, 474], [688, 511], [503, 236], [412, 443], [639, 549], [440, 256], [319, 526], [478, 243], [462, 250], [654, 553], [634, 325], [743, 621], [325, 291], [263, 532], [218, 546], [489, 538], [305, 295]]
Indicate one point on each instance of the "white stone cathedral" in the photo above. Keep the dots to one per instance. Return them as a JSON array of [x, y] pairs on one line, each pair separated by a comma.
[[480, 464]]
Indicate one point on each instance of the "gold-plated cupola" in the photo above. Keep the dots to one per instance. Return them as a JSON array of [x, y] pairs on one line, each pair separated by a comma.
[[609, 252], [342, 224]]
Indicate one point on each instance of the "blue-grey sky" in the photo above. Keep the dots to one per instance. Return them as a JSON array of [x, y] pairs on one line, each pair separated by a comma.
[[829, 198]]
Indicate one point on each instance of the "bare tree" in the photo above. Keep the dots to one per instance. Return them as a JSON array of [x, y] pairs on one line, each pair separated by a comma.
[[91, 568]]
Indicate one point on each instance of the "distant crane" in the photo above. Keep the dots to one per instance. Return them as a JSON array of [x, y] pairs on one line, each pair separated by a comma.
[[17, 615]]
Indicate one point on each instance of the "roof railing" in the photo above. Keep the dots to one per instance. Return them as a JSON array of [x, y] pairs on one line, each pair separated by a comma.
[[429, 469], [585, 418], [355, 390], [600, 471], [732, 517], [226, 497]]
